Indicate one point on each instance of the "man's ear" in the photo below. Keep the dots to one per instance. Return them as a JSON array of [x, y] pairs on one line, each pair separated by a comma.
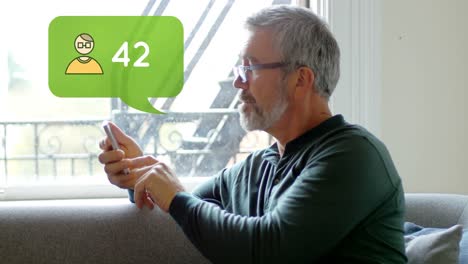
[[305, 80]]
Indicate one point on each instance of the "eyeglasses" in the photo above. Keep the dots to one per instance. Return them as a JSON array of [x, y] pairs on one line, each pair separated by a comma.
[[241, 70], [84, 44]]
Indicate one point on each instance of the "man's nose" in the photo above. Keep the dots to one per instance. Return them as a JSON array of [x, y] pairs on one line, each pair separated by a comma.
[[237, 83]]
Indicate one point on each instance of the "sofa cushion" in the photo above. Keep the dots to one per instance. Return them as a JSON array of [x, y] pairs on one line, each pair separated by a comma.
[[433, 245], [464, 248]]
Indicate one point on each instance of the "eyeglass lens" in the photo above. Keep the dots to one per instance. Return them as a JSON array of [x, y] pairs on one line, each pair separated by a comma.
[[84, 44]]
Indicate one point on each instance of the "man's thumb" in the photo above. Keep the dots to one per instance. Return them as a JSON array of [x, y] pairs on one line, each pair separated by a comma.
[[120, 136]]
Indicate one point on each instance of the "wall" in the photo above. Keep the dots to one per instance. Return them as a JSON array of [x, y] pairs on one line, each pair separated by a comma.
[[424, 92]]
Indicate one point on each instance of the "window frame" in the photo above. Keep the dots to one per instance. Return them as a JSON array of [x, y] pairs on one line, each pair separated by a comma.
[[357, 27]]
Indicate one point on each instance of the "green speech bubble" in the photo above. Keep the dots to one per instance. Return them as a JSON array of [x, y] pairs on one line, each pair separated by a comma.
[[134, 58]]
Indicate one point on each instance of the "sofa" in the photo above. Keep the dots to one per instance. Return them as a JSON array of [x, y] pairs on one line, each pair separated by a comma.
[[115, 231]]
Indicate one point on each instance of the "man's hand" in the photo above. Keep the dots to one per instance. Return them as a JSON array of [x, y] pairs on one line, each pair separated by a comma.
[[129, 156], [127, 144], [116, 161], [160, 182]]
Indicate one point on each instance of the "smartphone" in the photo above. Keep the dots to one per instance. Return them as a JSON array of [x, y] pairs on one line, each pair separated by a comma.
[[115, 144]]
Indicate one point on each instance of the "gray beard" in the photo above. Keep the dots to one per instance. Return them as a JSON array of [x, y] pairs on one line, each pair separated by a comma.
[[259, 119]]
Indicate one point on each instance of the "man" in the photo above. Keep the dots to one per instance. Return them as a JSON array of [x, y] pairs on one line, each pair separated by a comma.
[[325, 192]]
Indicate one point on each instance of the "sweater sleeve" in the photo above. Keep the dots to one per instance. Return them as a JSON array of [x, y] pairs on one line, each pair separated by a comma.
[[214, 190], [217, 189], [326, 201], [204, 192]]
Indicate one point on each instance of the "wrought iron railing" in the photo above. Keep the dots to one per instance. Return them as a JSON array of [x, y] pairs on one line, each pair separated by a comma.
[[70, 148], [35, 142]]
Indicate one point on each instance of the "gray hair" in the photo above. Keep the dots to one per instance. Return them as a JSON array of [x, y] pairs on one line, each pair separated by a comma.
[[86, 37], [303, 39]]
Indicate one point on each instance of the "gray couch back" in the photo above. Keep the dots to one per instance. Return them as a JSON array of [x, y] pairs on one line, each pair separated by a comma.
[[90, 231], [115, 231], [437, 210]]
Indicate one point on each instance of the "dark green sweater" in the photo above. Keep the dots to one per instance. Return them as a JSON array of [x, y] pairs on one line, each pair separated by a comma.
[[333, 197]]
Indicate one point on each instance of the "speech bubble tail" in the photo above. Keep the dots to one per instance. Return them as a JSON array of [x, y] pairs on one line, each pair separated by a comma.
[[142, 105]]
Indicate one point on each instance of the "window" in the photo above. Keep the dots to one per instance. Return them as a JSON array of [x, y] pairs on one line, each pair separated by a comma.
[[49, 145]]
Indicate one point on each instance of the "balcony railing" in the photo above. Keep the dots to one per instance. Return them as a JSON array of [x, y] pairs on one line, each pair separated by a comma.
[[41, 147], [55, 149]]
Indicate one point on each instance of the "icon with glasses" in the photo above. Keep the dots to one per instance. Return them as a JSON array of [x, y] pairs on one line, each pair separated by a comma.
[[83, 64]]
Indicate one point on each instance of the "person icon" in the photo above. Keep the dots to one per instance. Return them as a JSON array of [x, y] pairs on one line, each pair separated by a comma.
[[84, 44]]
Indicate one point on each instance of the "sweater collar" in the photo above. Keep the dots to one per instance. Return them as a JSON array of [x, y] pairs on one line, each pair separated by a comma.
[[272, 153]]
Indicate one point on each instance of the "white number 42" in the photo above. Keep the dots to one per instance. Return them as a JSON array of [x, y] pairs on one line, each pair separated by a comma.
[[123, 50]]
